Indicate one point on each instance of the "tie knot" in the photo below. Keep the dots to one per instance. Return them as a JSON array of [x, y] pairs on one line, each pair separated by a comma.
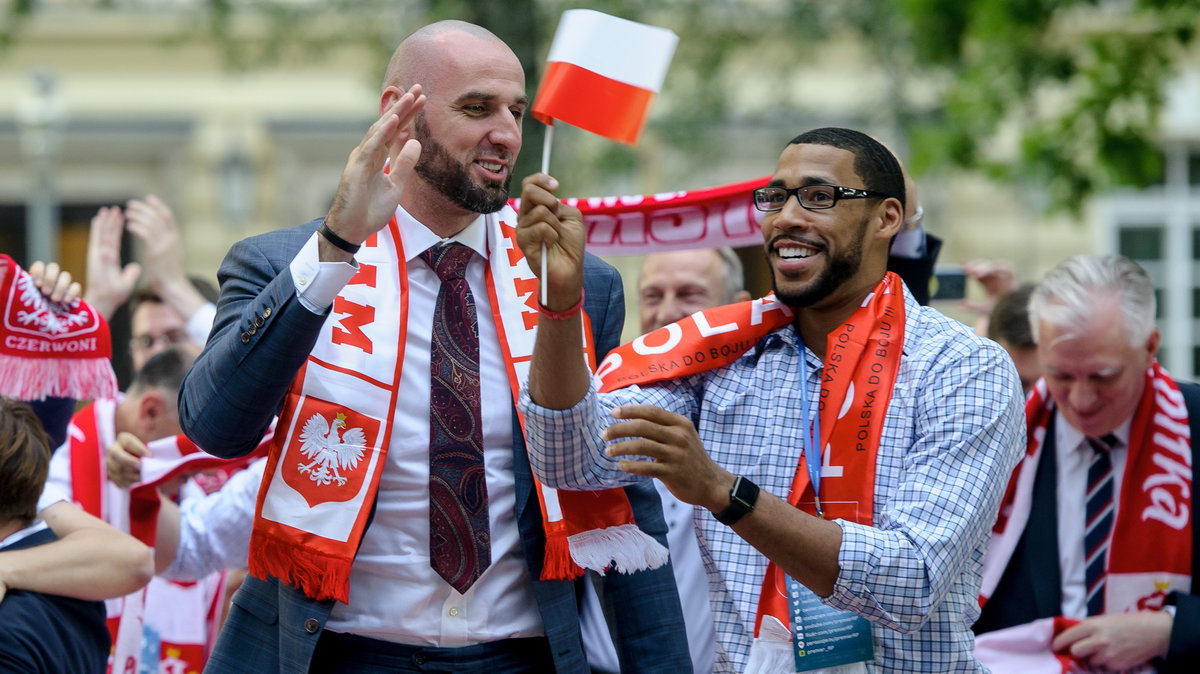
[[1104, 443], [448, 261]]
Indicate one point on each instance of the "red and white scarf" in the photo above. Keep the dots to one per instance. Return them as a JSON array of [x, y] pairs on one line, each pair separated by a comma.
[[181, 616], [308, 525], [1153, 517], [862, 358], [639, 224], [49, 348]]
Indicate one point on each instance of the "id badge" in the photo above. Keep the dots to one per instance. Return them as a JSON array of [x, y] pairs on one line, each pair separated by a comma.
[[824, 637]]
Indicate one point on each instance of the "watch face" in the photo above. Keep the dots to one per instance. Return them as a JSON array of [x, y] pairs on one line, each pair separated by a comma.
[[742, 499]]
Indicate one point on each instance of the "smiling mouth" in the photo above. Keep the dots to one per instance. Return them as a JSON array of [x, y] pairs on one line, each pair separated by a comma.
[[795, 252], [494, 167]]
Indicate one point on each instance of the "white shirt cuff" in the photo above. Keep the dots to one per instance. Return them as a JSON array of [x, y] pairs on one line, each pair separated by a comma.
[[318, 283]]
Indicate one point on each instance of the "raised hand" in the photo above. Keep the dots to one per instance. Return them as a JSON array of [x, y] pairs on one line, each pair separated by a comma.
[[544, 220], [153, 223], [367, 197], [108, 283], [55, 283]]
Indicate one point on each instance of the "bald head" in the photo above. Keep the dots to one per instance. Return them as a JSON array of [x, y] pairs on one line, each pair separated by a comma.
[[417, 58]]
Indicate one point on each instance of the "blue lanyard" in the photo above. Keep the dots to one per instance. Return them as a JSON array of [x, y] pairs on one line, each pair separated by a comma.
[[813, 428]]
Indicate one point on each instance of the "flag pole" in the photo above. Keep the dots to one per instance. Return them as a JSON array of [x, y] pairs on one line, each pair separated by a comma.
[[546, 169]]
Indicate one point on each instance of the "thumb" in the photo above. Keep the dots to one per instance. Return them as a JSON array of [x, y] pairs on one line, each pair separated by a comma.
[[130, 274], [406, 159], [130, 443]]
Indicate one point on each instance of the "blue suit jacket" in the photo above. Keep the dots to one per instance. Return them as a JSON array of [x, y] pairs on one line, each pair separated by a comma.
[[260, 338], [48, 633]]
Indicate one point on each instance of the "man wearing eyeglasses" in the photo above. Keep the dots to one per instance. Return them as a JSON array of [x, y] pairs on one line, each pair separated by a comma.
[[865, 556]]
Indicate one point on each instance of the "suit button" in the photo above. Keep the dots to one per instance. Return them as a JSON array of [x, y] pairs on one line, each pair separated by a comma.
[[253, 329], [312, 626], [267, 312], [419, 659], [245, 338], [258, 321]]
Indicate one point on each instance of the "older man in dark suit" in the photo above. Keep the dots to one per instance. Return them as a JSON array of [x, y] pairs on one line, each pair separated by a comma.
[[1100, 526]]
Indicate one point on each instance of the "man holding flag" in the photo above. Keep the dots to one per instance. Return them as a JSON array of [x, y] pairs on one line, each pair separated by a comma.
[[864, 555], [399, 527]]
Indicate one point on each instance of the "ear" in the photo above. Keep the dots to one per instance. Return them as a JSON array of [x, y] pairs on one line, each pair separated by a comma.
[[151, 409], [1152, 344], [891, 219], [389, 96]]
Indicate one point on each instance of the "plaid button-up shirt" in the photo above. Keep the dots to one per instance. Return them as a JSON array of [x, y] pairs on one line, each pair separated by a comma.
[[953, 433]]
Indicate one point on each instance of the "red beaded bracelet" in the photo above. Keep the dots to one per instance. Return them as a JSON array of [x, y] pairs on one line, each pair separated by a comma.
[[562, 315]]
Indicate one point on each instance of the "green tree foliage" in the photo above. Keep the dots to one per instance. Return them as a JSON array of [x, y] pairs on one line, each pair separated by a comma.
[[1079, 84]]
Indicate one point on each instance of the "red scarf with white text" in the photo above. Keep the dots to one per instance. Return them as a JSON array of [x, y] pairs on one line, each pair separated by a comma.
[[1154, 515], [49, 348], [308, 524]]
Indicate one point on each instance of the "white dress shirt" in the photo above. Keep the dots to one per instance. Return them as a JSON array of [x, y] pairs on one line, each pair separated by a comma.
[[394, 593], [1072, 456]]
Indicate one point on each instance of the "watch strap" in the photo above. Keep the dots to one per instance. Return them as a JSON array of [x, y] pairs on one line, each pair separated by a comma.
[[743, 496]]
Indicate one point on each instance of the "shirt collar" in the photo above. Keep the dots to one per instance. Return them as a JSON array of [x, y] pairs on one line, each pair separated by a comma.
[[416, 238], [1071, 437]]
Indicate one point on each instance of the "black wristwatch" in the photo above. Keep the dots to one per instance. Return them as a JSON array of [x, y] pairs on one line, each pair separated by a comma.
[[742, 499]]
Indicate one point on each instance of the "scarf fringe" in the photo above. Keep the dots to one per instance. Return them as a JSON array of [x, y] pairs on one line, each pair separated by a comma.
[[558, 564], [319, 576], [771, 651], [624, 548], [38, 378]]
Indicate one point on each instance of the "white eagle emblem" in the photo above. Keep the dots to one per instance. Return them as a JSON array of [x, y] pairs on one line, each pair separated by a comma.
[[319, 442]]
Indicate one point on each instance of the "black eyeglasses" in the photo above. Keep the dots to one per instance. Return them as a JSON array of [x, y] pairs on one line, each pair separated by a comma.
[[812, 197]]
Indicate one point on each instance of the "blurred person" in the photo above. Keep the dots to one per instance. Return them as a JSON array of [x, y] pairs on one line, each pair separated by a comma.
[[42, 632], [920, 418], [156, 326], [1099, 524], [174, 625], [677, 284], [914, 252], [344, 311], [173, 308], [1008, 326]]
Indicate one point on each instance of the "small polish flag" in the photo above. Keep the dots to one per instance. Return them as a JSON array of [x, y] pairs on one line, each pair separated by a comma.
[[602, 73]]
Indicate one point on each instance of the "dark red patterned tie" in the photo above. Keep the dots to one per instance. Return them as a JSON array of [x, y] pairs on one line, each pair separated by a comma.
[[459, 536]]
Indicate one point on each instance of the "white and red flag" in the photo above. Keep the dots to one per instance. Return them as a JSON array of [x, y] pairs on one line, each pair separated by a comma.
[[602, 73]]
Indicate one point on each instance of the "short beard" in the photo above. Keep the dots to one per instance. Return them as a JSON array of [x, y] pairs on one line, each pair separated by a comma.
[[840, 270], [450, 178]]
